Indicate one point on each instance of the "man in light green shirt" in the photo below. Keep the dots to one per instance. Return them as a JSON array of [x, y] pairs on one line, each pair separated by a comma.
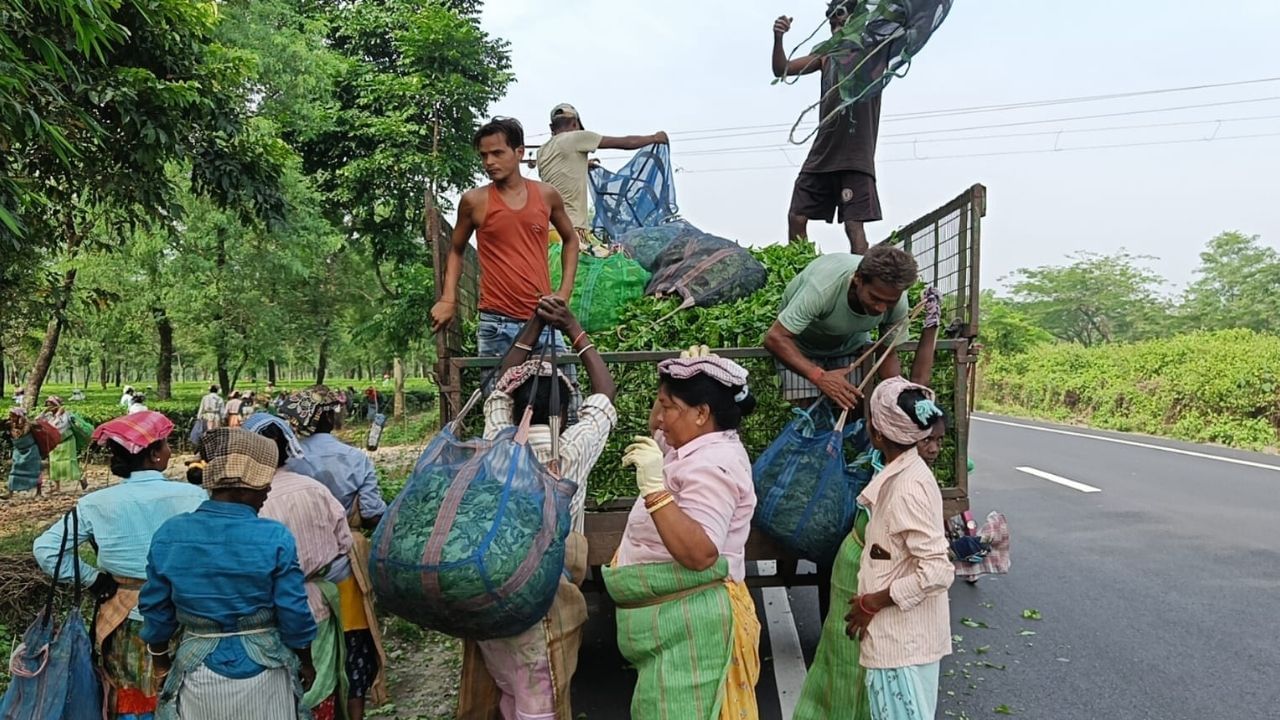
[[562, 161], [828, 313]]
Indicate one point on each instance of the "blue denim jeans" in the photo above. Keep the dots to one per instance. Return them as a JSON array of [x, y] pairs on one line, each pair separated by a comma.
[[495, 334]]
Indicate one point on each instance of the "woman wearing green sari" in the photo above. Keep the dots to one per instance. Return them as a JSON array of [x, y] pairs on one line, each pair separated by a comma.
[[64, 461], [685, 618]]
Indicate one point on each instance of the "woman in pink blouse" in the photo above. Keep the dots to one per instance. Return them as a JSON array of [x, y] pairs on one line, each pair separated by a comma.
[[685, 618]]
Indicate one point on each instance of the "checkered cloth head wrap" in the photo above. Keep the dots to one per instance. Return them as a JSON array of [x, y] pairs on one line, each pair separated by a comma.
[[237, 459], [892, 421], [722, 370], [135, 432], [258, 422], [524, 372], [304, 408]]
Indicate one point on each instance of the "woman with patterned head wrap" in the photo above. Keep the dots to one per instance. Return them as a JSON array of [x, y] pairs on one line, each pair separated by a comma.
[[319, 526], [227, 585], [528, 676], [685, 618], [349, 475], [120, 522], [64, 462], [901, 615]]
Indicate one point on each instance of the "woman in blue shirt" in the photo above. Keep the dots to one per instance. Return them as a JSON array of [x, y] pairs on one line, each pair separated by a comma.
[[120, 521], [231, 581]]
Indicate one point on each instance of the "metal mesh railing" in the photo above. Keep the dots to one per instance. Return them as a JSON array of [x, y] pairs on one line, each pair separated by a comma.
[[945, 244]]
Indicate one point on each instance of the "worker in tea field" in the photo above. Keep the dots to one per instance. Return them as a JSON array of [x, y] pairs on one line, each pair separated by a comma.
[[510, 217], [64, 460], [24, 472], [226, 585], [685, 617], [350, 476], [900, 615], [120, 521], [838, 179], [319, 527], [828, 312], [562, 162], [527, 677]]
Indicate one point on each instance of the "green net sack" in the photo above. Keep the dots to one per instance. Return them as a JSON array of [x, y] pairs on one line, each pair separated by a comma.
[[602, 287]]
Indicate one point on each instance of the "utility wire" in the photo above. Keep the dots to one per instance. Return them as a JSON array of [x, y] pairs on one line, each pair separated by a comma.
[[948, 112], [1116, 146]]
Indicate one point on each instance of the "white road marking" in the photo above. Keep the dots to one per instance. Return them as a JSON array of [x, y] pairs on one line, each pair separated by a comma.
[[788, 659], [1059, 480], [1133, 443]]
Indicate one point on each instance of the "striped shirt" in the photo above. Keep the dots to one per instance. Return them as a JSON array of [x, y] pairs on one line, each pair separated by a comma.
[[580, 444], [906, 552], [318, 524]]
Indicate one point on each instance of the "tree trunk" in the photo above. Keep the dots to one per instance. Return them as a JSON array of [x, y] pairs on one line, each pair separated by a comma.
[[164, 367], [224, 374], [104, 374], [3, 375], [244, 360], [52, 334], [119, 368], [398, 368], [271, 371], [322, 366]]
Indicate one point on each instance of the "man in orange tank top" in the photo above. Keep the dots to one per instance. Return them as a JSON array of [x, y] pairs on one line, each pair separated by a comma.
[[511, 218]]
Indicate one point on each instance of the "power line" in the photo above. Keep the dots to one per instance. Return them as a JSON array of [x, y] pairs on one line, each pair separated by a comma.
[[1115, 146], [752, 149], [947, 112]]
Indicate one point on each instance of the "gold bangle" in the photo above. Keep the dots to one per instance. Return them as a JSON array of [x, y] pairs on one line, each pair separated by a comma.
[[589, 346], [523, 347], [659, 505], [657, 498]]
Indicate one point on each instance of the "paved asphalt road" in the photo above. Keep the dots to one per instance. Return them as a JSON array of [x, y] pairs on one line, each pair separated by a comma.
[[1159, 594]]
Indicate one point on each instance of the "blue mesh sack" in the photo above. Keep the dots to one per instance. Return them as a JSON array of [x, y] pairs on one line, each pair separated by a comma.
[[647, 243], [52, 671], [474, 545], [807, 492], [640, 194]]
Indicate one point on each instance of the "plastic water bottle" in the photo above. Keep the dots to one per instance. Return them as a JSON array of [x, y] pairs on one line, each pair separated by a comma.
[[375, 432]]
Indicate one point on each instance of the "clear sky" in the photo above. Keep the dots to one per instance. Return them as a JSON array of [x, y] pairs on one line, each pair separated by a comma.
[[689, 67]]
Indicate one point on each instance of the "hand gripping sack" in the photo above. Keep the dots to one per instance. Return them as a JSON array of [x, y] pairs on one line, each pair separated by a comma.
[[52, 671], [474, 545], [807, 492]]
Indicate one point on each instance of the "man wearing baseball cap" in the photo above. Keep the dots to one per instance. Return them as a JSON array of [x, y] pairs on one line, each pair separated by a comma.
[[562, 160]]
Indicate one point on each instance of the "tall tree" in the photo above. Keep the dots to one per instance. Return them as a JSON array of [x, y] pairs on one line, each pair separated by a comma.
[[1095, 299], [157, 93], [1005, 329], [416, 78], [1238, 286]]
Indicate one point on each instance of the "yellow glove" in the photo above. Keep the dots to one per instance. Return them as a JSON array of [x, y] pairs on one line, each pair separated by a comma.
[[645, 455], [696, 351]]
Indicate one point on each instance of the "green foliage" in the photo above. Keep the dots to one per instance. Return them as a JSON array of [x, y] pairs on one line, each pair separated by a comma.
[[1096, 299], [1237, 286], [1005, 329], [1217, 387]]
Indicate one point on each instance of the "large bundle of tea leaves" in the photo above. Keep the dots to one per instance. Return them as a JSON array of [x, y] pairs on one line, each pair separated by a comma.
[[474, 545]]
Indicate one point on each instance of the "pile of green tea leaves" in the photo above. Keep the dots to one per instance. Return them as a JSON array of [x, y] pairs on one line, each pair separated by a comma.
[[647, 324]]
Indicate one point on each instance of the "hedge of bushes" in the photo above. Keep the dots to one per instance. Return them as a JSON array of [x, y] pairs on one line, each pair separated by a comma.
[[1216, 387]]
